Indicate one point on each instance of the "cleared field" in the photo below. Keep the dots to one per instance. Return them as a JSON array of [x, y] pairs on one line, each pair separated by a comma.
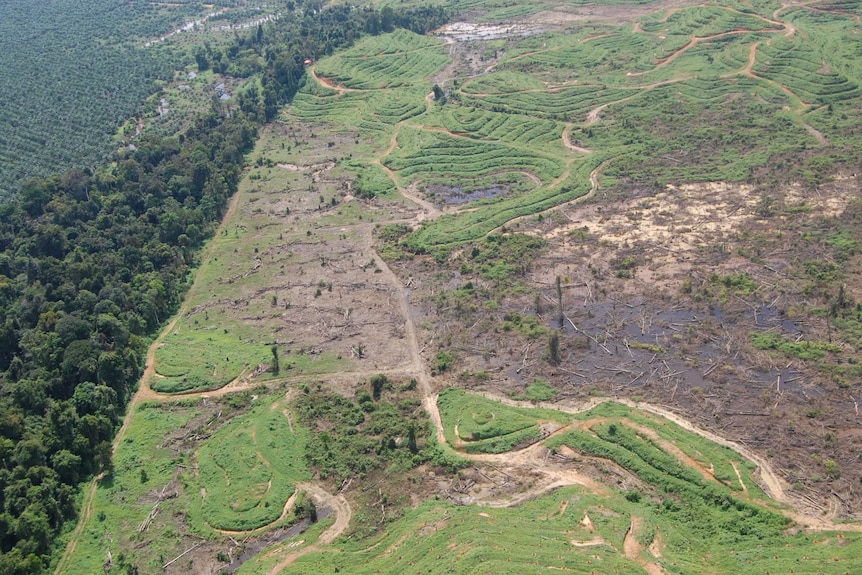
[[203, 361], [272, 278], [375, 111], [549, 535], [700, 93], [294, 280]]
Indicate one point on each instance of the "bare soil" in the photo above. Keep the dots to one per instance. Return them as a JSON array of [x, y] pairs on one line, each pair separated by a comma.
[[662, 331]]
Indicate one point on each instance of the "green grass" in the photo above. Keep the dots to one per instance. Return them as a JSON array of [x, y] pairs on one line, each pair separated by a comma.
[[497, 127], [606, 56], [701, 505], [377, 111], [539, 390], [565, 104], [123, 501], [702, 21], [699, 525], [249, 468], [203, 360], [423, 155], [540, 536], [487, 426], [805, 350], [472, 225], [386, 61], [801, 67], [709, 454], [231, 481]]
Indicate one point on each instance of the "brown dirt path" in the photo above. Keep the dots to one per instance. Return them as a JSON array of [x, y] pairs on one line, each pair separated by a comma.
[[63, 563], [327, 83], [632, 549], [695, 40], [567, 141], [739, 477], [340, 509]]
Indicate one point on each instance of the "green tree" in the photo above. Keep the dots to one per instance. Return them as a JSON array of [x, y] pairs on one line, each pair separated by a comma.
[[377, 384], [275, 365]]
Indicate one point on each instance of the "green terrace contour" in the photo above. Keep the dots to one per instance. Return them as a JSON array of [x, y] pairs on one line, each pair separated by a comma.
[[636, 102]]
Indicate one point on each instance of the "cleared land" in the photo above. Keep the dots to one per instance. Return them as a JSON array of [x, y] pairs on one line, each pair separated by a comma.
[[626, 205]]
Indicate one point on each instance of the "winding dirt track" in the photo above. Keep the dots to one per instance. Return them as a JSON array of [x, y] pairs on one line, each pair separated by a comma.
[[340, 509], [567, 141]]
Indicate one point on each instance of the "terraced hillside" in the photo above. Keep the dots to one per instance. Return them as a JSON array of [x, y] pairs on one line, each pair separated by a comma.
[[561, 287]]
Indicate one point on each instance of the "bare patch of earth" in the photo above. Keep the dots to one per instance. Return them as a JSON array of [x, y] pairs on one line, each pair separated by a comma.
[[565, 16], [650, 314]]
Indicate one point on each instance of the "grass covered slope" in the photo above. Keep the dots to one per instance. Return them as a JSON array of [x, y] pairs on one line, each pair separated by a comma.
[[248, 469], [576, 532], [685, 95], [389, 61], [685, 505], [693, 94], [228, 466], [690, 94], [478, 425]]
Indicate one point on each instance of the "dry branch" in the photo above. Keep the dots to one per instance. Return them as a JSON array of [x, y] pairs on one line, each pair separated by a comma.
[[189, 550]]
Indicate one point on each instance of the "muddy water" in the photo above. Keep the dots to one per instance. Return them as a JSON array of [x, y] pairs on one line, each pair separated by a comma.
[[457, 195], [254, 547]]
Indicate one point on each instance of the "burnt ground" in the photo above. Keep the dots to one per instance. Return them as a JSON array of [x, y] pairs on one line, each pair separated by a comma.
[[664, 296]]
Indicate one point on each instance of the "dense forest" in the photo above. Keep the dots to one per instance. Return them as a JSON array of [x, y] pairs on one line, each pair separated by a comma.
[[93, 261]]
